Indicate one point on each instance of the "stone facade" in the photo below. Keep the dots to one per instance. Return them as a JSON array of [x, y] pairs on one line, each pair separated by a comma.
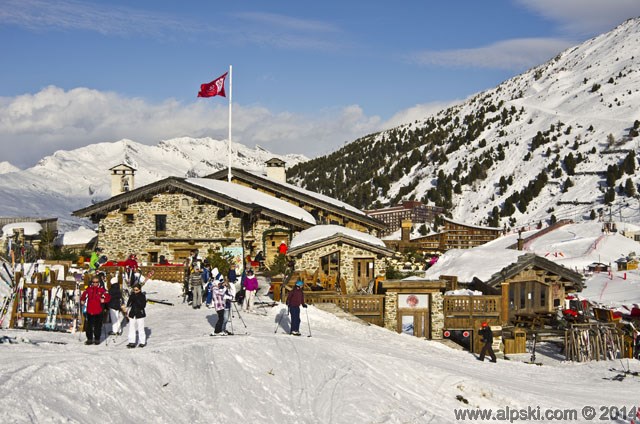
[[435, 310], [310, 261], [134, 230]]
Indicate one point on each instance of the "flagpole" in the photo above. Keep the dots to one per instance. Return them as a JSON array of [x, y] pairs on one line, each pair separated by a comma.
[[230, 101]]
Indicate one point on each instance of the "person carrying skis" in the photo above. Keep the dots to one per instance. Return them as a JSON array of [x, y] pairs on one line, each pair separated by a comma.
[[115, 309], [131, 267], [136, 304], [251, 286], [195, 282], [95, 257], [487, 339], [94, 297], [295, 299]]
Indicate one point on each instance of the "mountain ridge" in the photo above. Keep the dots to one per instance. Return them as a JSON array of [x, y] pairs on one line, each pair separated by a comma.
[[536, 147]]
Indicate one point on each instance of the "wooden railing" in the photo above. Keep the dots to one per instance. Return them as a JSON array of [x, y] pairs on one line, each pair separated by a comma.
[[465, 311], [369, 308], [171, 273]]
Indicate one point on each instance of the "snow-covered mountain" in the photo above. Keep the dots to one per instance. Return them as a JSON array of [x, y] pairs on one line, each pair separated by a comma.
[[6, 167], [572, 118], [69, 180]]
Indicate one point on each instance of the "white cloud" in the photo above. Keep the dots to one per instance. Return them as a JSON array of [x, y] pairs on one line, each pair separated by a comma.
[[517, 54], [585, 17], [35, 125], [416, 113]]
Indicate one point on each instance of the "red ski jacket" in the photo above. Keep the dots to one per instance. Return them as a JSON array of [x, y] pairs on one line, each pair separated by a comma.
[[95, 297]]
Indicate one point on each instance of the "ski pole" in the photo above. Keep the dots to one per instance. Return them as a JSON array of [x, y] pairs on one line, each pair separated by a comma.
[[279, 321], [308, 324], [239, 316]]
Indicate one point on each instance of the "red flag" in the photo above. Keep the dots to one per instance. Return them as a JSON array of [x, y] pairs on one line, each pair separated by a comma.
[[214, 88]]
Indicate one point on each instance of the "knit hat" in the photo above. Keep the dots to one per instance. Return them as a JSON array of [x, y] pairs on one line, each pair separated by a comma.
[[299, 283], [484, 324]]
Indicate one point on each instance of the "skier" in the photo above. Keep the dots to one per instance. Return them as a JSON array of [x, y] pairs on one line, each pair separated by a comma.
[[219, 291], [131, 267], [250, 286], [230, 295], [136, 304], [487, 339], [295, 299], [94, 297], [207, 280], [195, 282], [115, 309], [95, 257]]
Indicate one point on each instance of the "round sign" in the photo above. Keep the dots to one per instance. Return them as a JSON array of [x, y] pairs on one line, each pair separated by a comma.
[[447, 333], [465, 334]]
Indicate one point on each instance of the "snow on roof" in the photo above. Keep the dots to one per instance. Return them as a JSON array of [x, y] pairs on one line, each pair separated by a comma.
[[310, 193], [81, 235], [322, 232], [30, 228], [469, 263], [249, 195]]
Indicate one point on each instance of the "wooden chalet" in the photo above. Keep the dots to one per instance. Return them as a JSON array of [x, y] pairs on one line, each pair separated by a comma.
[[174, 216], [324, 209], [532, 286]]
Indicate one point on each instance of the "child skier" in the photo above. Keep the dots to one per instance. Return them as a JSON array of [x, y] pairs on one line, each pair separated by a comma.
[[295, 299]]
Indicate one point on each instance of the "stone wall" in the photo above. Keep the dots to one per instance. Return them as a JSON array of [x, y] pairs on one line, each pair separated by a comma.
[[186, 217], [436, 311], [310, 261]]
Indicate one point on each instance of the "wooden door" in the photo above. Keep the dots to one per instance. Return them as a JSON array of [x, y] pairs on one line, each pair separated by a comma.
[[414, 322], [362, 272]]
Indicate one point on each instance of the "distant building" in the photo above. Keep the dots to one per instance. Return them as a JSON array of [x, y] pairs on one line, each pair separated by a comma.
[[413, 210]]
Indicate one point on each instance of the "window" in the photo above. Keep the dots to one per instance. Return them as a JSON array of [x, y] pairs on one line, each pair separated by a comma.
[[161, 223], [330, 264], [153, 257], [128, 218]]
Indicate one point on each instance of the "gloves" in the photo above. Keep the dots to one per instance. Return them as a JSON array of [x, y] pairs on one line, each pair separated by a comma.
[[304, 305]]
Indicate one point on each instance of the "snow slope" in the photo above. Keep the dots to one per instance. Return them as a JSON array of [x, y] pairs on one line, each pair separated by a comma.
[[345, 373]]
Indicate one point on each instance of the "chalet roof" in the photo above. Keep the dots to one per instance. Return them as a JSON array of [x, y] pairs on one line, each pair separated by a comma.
[[529, 260], [275, 162], [231, 195], [306, 196], [323, 235], [122, 165]]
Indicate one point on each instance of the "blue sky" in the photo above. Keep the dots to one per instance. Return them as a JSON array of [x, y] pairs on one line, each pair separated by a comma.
[[307, 76]]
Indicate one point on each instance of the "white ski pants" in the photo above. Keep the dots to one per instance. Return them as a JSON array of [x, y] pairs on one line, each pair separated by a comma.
[[116, 319], [249, 298], [136, 325]]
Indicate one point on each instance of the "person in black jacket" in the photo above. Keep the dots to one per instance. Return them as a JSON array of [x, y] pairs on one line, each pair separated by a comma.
[[115, 309], [295, 299], [487, 339], [135, 305]]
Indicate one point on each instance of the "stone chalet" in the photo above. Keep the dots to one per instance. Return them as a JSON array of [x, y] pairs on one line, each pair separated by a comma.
[[252, 213], [349, 255]]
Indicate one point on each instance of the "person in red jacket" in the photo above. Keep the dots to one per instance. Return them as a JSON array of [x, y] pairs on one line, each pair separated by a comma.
[[94, 298], [131, 267]]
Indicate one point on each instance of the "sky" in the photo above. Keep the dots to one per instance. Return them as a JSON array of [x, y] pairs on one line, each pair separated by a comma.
[[307, 77]]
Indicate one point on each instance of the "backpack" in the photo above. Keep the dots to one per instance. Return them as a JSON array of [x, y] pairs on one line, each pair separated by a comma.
[[241, 295]]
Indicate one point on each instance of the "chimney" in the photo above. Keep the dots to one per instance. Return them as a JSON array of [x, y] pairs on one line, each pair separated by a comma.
[[406, 230], [122, 179], [520, 240], [276, 170]]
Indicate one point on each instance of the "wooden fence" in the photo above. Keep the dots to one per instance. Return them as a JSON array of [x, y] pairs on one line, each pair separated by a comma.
[[463, 312], [369, 308], [171, 273]]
